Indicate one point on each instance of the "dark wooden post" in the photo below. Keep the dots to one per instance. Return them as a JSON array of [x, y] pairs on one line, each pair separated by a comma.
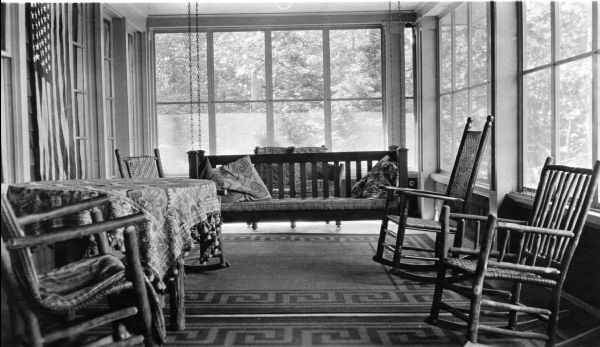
[[197, 163]]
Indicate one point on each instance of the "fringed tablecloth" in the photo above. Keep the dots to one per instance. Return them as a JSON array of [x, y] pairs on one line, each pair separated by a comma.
[[179, 211]]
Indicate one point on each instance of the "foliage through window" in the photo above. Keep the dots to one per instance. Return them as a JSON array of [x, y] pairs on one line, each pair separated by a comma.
[[560, 53], [464, 80], [270, 88]]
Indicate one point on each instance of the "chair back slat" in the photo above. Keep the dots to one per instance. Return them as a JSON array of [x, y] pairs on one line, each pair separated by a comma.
[[21, 259], [466, 166], [562, 201]]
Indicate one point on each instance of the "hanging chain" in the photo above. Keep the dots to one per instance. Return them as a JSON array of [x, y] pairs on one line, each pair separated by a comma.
[[189, 47], [198, 80]]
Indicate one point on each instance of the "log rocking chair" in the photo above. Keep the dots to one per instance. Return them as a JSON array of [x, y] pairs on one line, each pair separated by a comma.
[[48, 304], [536, 253], [457, 196]]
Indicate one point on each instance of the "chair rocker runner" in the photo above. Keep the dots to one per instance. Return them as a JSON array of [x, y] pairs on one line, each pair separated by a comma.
[[537, 254], [458, 195], [57, 294]]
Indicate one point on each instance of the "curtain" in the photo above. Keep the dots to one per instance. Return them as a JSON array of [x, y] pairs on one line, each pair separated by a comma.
[[51, 44]]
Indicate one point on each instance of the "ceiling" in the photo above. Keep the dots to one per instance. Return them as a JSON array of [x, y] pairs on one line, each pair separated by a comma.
[[252, 7]]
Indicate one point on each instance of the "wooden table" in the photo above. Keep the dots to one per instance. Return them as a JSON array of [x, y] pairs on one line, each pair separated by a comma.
[[179, 211]]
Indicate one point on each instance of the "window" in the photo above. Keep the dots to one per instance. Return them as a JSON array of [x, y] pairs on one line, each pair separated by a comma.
[[560, 74], [409, 81], [134, 80], [109, 111], [464, 79], [7, 101], [81, 17], [283, 87]]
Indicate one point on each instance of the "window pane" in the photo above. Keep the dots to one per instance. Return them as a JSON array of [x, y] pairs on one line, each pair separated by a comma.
[[172, 67], [174, 136], [447, 155], [575, 27], [461, 46], [411, 133], [299, 124], [479, 110], [408, 62], [297, 64], [575, 113], [241, 127], [446, 53], [538, 41], [461, 113], [537, 118], [355, 63], [240, 65], [479, 42], [357, 125]]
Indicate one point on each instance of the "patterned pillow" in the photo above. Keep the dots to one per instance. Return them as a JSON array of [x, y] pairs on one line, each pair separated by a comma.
[[242, 180], [384, 173]]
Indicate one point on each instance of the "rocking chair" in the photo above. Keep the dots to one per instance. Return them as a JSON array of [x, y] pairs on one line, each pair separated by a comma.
[[458, 195], [145, 166], [539, 255], [47, 303]]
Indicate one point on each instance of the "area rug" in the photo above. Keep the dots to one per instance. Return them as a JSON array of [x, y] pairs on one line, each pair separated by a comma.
[[305, 273]]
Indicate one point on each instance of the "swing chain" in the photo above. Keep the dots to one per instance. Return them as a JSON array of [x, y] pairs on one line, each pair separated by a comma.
[[198, 80], [189, 47]]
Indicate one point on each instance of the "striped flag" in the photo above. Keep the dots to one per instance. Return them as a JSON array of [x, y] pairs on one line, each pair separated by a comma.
[[51, 44]]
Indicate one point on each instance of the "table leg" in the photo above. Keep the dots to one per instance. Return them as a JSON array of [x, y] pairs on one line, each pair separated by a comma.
[[177, 296]]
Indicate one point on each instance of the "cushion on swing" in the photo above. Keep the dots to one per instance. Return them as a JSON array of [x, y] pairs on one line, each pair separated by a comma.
[[241, 181]]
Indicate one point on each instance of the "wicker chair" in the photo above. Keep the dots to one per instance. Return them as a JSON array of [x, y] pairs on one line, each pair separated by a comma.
[[145, 166], [47, 303], [460, 188], [538, 255]]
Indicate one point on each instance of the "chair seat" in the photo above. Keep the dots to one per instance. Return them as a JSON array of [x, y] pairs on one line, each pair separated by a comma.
[[423, 224], [469, 266], [82, 282]]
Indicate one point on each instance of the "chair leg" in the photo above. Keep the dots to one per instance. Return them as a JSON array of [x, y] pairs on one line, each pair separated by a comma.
[[381, 241], [553, 319], [32, 328], [401, 232], [515, 299], [475, 310], [254, 226], [338, 223], [293, 224], [437, 295], [139, 284]]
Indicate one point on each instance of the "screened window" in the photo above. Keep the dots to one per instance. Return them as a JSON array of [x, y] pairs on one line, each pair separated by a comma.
[[268, 88], [463, 80], [560, 74], [109, 98]]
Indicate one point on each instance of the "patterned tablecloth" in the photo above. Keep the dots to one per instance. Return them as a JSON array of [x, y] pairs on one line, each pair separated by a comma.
[[179, 210]]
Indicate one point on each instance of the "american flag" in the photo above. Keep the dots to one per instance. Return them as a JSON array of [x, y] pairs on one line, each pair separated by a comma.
[[50, 38], [40, 28]]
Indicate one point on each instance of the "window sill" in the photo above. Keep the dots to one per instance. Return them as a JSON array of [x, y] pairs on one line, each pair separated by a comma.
[[593, 219], [480, 188]]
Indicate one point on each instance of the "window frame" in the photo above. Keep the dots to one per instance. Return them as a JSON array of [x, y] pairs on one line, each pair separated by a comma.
[[270, 100], [553, 66], [468, 88]]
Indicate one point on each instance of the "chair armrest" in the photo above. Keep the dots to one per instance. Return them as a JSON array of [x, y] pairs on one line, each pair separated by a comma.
[[540, 270], [534, 230], [75, 232], [484, 218], [422, 194], [62, 211]]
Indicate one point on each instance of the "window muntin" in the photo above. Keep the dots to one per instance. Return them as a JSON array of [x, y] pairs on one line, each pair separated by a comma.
[[558, 80], [321, 82], [464, 80], [109, 111]]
